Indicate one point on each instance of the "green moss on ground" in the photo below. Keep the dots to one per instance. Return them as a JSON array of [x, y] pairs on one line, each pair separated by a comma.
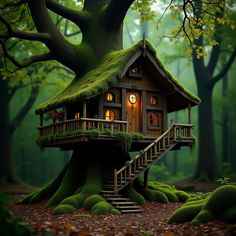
[[76, 200], [92, 200], [133, 195], [221, 205], [102, 208], [185, 213], [64, 209]]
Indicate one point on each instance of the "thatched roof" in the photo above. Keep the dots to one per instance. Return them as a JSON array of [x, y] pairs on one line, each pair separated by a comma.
[[107, 74]]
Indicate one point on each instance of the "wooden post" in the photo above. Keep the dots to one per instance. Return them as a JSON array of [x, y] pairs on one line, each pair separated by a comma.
[[189, 114], [145, 178], [112, 127], [115, 181], [84, 115], [41, 119]]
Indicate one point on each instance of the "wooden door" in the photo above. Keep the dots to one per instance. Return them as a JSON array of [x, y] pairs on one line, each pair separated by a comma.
[[133, 111]]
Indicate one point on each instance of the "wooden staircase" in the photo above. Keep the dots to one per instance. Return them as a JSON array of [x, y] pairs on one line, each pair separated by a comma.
[[176, 134], [124, 205]]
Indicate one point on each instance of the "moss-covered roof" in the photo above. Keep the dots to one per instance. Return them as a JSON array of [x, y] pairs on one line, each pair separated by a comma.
[[103, 77]]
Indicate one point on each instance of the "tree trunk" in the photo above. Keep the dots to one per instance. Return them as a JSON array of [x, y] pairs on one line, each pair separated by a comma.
[[207, 165], [225, 120], [7, 173]]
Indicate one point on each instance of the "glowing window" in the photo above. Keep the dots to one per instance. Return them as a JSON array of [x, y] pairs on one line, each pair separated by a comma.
[[110, 97], [153, 119], [110, 115], [132, 98], [135, 71], [153, 100], [77, 115]]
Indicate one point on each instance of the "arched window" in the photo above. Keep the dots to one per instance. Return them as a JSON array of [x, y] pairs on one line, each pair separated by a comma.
[[154, 119], [110, 97], [110, 115], [153, 100]]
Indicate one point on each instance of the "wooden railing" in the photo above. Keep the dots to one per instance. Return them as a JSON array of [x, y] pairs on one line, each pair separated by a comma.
[[176, 132], [83, 124]]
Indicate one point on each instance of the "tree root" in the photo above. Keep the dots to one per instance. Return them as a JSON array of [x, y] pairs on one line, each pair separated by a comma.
[[221, 205]]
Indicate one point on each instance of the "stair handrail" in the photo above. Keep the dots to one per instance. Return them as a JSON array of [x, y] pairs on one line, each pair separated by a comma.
[[143, 154]]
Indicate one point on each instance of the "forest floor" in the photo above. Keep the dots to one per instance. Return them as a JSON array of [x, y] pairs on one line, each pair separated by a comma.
[[152, 221]]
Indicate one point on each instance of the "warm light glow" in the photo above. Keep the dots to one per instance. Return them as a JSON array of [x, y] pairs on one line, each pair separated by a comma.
[[110, 115], [77, 115], [132, 98], [110, 97]]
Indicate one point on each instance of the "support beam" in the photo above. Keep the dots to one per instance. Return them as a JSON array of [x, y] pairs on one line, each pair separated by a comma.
[[65, 113], [123, 104], [144, 105], [189, 114], [85, 109], [84, 115], [41, 119], [145, 178]]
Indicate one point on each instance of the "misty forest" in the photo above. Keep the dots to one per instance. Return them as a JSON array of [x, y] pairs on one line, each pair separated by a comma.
[[117, 117]]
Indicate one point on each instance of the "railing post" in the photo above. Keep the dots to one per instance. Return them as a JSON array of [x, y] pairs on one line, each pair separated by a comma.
[[155, 150], [174, 134], [112, 127], [115, 182], [126, 126], [129, 171], [145, 158], [191, 131]]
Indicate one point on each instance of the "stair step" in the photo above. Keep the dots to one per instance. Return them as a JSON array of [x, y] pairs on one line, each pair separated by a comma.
[[123, 203], [131, 211], [111, 196], [117, 199], [127, 207]]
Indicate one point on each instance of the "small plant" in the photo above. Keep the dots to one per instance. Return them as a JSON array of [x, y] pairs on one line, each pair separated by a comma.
[[8, 224], [224, 180], [141, 153]]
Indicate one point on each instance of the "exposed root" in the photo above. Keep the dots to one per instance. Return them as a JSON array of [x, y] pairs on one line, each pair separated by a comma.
[[221, 205]]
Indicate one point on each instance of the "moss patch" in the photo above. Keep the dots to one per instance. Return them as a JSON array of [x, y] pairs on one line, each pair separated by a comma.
[[101, 208], [76, 201], [64, 209], [185, 213], [221, 204], [92, 200]]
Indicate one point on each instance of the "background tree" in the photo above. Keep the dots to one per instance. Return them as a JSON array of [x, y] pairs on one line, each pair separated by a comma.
[[202, 25], [12, 80]]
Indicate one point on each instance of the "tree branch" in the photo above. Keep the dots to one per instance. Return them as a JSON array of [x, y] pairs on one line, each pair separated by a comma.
[[66, 34], [63, 51], [42, 37], [23, 112], [116, 12], [28, 62], [225, 69], [80, 18], [215, 53]]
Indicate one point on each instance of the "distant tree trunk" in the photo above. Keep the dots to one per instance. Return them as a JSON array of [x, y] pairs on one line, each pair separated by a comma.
[[207, 166], [225, 121], [8, 127], [7, 173], [175, 154]]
